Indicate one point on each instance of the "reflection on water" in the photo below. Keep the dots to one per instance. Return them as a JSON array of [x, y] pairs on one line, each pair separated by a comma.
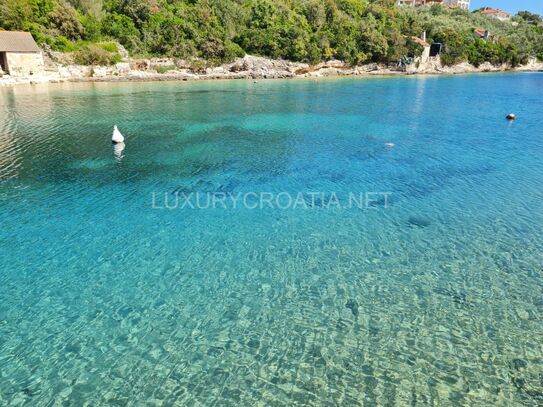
[[118, 149], [435, 300]]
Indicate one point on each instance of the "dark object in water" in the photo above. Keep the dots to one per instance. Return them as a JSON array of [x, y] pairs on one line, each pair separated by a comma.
[[525, 384], [519, 364], [419, 221], [511, 116], [460, 297], [353, 306]]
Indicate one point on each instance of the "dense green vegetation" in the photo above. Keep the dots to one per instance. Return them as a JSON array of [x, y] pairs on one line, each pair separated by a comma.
[[355, 31]]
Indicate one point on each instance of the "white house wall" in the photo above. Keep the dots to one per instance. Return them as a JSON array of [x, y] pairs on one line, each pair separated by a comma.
[[24, 64]]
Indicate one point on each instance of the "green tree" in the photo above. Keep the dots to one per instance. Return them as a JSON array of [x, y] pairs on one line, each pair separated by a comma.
[[121, 28], [65, 19], [355, 31]]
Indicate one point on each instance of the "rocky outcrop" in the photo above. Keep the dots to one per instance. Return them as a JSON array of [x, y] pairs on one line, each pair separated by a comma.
[[248, 67], [468, 68], [252, 67], [532, 66]]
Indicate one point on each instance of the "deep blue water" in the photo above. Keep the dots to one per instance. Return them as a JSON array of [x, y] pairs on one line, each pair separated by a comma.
[[432, 296]]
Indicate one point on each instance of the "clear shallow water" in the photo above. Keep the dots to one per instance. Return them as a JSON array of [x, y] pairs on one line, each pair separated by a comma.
[[435, 300]]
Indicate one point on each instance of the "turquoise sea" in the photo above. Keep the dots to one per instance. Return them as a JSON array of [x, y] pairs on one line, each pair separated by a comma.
[[432, 296]]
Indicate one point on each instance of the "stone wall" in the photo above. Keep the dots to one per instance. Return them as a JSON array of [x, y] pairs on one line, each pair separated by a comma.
[[24, 64]]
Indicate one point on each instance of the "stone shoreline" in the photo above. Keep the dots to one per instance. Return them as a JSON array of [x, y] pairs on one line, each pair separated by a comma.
[[249, 67]]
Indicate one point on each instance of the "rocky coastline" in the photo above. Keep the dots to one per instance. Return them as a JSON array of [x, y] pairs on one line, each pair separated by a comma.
[[248, 67]]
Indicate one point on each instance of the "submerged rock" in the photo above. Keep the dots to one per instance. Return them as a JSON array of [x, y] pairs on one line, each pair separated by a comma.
[[419, 221], [460, 297], [519, 364], [353, 306]]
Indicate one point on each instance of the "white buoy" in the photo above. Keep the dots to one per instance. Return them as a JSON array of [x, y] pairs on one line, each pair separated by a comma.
[[511, 116], [117, 136]]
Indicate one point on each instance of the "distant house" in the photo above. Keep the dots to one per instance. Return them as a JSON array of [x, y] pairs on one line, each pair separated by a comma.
[[495, 13], [481, 33], [457, 3], [19, 54], [417, 3], [448, 3]]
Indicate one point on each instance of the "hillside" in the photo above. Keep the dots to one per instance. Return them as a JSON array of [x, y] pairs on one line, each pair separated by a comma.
[[217, 31]]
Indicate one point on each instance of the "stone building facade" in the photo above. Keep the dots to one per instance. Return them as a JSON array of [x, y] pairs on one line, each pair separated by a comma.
[[20, 56]]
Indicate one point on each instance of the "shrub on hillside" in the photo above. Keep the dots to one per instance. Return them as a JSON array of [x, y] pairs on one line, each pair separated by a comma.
[[61, 44], [94, 54]]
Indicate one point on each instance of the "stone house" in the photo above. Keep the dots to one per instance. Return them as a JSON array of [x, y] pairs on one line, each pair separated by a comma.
[[20, 56], [429, 60]]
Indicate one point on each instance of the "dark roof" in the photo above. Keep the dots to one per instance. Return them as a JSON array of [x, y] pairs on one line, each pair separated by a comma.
[[17, 41]]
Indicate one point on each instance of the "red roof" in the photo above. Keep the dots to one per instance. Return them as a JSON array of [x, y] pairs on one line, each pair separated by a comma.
[[491, 11], [420, 41], [480, 32]]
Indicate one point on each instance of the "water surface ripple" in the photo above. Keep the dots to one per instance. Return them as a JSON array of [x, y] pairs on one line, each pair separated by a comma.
[[436, 300]]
